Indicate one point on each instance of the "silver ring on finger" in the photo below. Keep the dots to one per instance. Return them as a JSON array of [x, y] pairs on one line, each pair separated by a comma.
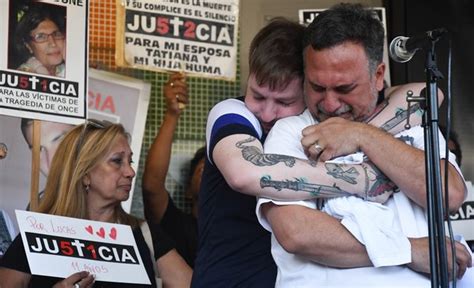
[[318, 147], [76, 285]]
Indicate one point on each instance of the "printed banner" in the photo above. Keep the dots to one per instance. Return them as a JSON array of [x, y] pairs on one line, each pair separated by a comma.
[[463, 220], [43, 61], [71, 245], [198, 37], [111, 97]]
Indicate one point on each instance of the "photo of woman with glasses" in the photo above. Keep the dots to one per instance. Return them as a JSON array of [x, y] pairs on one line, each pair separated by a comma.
[[40, 40]]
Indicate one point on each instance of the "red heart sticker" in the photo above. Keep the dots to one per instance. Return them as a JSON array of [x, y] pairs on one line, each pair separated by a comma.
[[101, 232], [90, 230], [113, 233]]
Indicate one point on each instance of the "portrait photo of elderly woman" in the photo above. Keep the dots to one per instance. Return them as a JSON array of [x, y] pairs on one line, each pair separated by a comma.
[[39, 39]]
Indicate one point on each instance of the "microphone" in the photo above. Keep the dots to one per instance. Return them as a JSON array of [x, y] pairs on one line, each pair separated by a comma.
[[402, 48]]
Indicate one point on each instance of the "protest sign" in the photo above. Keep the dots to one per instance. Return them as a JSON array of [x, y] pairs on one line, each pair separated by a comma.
[[71, 245], [463, 220], [111, 97], [198, 37], [43, 61]]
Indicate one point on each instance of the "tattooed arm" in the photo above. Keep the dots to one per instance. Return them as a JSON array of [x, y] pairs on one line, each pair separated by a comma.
[[393, 115], [246, 169], [318, 236], [400, 162], [285, 139], [390, 116]]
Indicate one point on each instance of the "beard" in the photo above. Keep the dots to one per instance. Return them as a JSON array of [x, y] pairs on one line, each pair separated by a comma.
[[344, 111]]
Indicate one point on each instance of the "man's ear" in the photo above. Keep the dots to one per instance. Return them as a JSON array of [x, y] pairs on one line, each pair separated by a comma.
[[379, 76]]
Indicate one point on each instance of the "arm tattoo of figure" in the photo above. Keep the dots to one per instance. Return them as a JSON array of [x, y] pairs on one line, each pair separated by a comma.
[[300, 184], [400, 116], [255, 155], [381, 184], [336, 171], [407, 140]]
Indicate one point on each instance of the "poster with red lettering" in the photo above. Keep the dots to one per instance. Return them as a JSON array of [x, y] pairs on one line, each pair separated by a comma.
[[44, 59], [111, 97], [198, 37], [71, 245]]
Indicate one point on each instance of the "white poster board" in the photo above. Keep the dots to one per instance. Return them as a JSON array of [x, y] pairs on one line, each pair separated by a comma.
[[70, 245], [43, 70], [463, 221], [306, 16], [112, 97], [198, 37]]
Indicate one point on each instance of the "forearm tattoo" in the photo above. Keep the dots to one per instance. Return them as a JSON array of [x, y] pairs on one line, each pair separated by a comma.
[[407, 139], [381, 184], [300, 184], [336, 171], [400, 116], [255, 155]]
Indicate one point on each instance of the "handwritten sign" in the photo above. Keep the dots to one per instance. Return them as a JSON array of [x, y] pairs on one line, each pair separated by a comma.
[[70, 245], [198, 37]]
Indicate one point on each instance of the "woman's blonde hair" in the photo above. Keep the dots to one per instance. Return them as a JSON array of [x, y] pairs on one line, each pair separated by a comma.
[[78, 153]]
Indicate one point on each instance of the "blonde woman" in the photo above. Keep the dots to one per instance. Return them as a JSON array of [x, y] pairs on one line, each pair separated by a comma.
[[90, 176]]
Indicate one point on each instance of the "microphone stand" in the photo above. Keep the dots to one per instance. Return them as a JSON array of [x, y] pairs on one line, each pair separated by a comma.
[[436, 214], [435, 210]]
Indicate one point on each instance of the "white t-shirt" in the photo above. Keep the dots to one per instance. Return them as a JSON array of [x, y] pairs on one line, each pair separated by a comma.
[[296, 271]]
